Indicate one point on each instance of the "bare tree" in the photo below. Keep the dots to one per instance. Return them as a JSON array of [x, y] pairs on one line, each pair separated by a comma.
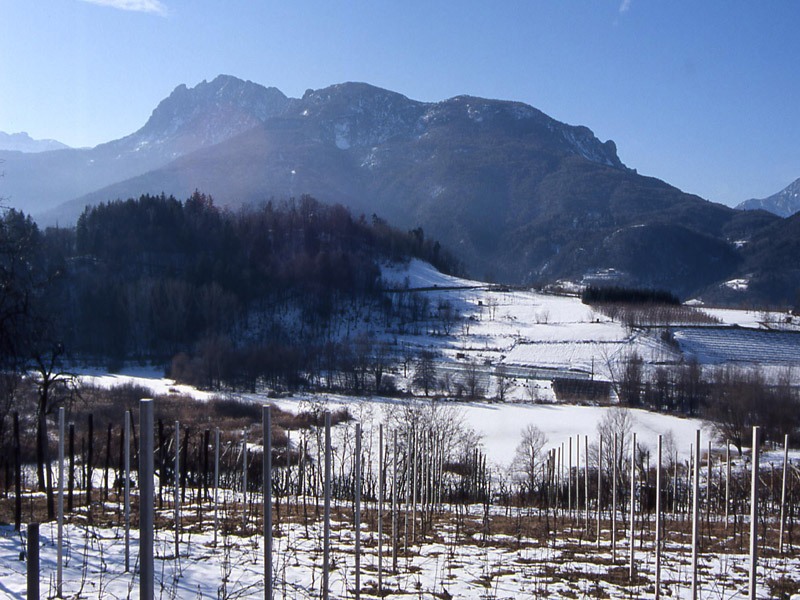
[[527, 457]]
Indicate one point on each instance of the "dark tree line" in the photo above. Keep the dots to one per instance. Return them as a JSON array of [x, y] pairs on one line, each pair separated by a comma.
[[259, 293], [735, 398], [625, 295]]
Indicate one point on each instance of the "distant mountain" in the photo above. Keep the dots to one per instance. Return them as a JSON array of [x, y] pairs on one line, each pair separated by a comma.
[[184, 122], [784, 204], [22, 142], [517, 195]]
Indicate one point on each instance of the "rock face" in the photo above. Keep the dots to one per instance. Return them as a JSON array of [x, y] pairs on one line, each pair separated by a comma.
[[784, 204], [517, 195]]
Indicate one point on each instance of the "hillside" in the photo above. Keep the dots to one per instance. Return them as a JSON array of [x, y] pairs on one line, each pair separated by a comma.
[[517, 195]]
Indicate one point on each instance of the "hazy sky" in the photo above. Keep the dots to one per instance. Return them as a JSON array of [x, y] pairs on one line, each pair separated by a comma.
[[701, 94]]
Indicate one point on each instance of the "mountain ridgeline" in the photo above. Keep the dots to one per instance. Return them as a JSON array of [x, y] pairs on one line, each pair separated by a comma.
[[518, 196]]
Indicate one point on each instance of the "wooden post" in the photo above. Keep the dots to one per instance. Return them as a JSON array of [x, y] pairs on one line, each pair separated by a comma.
[[394, 502], [146, 571], [632, 507], [176, 502], [327, 514], [17, 476], [695, 514], [60, 543], [33, 561], [357, 524], [127, 491], [89, 465], [380, 509], [658, 523], [216, 484], [586, 480], [614, 502], [727, 482], [754, 515], [266, 422], [783, 492], [71, 478], [599, 485], [708, 484], [244, 480]]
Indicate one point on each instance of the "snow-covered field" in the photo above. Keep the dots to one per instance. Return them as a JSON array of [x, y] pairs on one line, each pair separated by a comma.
[[517, 562], [534, 329]]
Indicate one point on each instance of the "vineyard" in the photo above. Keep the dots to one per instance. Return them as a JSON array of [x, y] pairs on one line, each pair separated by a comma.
[[405, 507]]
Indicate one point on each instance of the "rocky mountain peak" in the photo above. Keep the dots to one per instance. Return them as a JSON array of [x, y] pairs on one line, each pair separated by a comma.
[[784, 204]]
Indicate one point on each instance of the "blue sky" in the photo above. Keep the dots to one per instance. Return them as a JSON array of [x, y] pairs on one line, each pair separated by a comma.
[[701, 94]]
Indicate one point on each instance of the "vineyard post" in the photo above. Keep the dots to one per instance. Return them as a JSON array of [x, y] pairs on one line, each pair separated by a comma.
[[127, 491], [727, 482], [380, 509], [599, 485], [33, 561], [569, 479], [783, 492], [754, 515], [633, 504], [60, 553], [244, 480], [708, 485], [71, 478], [327, 515], [658, 522], [216, 483], [695, 511], [357, 523], [17, 475], [176, 488], [614, 503], [146, 500], [266, 502], [586, 480], [394, 502]]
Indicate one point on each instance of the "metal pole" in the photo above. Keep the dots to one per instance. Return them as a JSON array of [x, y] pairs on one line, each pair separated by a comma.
[[380, 508], [586, 479], [633, 505], [244, 480], [266, 418], [754, 515], [33, 561], [569, 478], [599, 485], [708, 483], [176, 489], [695, 513], [783, 492], [60, 550], [394, 503], [614, 503], [727, 482], [146, 571], [327, 516], [127, 491], [216, 484], [357, 524], [658, 522]]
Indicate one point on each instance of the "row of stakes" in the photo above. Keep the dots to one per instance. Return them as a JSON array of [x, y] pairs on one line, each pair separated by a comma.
[[146, 509]]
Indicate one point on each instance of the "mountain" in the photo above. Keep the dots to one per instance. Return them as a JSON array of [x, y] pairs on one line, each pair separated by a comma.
[[517, 195], [784, 204], [22, 142], [184, 122]]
